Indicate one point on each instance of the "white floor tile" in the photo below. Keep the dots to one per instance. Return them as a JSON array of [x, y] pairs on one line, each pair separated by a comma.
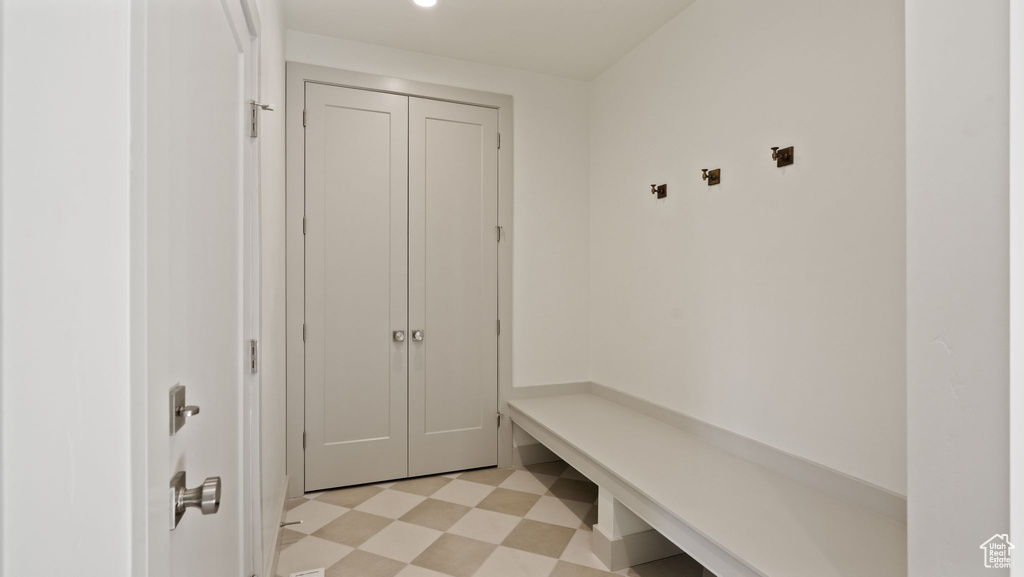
[[310, 553], [505, 562], [390, 504], [579, 551], [557, 512], [313, 514], [528, 482], [463, 492], [416, 571], [401, 541], [483, 525]]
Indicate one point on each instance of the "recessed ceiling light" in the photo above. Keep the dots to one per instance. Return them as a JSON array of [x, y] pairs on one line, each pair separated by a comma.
[[425, 3]]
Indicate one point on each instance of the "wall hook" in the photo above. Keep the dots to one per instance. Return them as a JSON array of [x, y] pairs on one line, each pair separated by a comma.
[[782, 157], [712, 175], [660, 190]]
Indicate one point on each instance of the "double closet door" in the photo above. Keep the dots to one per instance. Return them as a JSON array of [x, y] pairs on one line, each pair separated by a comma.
[[400, 286]]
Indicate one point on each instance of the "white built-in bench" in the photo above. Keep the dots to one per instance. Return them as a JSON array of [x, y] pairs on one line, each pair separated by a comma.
[[736, 517]]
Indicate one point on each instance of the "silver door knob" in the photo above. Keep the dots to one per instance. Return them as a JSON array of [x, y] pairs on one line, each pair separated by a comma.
[[417, 335], [399, 336], [205, 497]]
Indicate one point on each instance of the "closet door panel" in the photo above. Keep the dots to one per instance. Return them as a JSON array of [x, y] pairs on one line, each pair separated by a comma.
[[356, 286], [453, 286]]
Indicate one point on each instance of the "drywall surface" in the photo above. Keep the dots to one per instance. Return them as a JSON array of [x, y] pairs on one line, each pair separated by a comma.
[[773, 304], [551, 282], [65, 313], [958, 251], [272, 277]]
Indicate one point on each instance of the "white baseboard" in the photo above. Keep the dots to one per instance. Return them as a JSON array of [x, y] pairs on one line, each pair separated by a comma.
[[631, 550]]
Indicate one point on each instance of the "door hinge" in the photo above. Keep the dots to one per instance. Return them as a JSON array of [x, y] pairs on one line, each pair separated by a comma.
[[499, 419], [253, 356], [254, 116], [303, 225], [303, 440], [303, 117], [498, 230], [498, 326], [303, 332], [499, 140]]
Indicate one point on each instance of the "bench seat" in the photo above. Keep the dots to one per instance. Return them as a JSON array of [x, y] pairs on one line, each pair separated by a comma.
[[734, 516]]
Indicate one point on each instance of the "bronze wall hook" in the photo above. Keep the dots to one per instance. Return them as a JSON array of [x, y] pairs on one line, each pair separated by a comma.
[[782, 157], [712, 175]]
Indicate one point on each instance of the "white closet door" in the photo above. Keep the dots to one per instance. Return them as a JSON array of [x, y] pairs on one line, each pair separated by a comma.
[[453, 286], [356, 286]]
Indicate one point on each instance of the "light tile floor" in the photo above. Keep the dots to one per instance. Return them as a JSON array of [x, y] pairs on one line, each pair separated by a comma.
[[530, 522]]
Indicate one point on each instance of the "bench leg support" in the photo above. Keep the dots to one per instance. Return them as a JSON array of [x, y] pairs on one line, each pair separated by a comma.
[[621, 539]]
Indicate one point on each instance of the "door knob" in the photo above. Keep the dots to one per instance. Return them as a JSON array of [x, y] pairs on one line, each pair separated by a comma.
[[399, 336], [417, 335], [205, 497]]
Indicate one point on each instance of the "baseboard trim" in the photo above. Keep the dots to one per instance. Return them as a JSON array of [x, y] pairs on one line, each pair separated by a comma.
[[866, 495], [631, 550], [271, 569]]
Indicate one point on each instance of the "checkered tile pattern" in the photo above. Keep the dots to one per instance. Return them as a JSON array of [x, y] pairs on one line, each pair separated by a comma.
[[529, 522]]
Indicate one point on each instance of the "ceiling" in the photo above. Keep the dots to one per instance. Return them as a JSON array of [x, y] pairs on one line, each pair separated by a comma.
[[572, 38]]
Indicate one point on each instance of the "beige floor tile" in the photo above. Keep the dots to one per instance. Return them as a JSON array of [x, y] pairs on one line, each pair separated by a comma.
[[583, 491], [440, 515], [528, 482], [487, 476], [580, 552], [506, 562], [391, 504], [540, 538], [425, 486], [463, 493], [287, 537], [313, 514], [353, 528], [677, 566], [484, 525], [310, 553], [414, 571], [509, 502], [363, 564], [564, 569], [290, 504], [554, 468], [455, 555], [556, 511], [351, 497], [570, 473], [401, 541]]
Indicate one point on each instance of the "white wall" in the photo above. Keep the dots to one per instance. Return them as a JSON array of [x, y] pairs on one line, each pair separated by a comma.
[[272, 285], [958, 250], [773, 304], [64, 318], [551, 284]]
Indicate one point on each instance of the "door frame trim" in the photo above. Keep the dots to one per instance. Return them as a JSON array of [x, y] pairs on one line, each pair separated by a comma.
[[297, 76]]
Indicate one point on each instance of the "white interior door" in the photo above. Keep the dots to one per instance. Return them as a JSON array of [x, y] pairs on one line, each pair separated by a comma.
[[356, 286], [197, 311], [453, 286]]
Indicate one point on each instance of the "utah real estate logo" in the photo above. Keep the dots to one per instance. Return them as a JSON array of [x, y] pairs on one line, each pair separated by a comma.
[[997, 551]]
